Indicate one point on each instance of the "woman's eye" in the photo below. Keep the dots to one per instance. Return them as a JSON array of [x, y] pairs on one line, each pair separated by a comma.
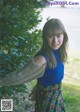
[[58, 36]]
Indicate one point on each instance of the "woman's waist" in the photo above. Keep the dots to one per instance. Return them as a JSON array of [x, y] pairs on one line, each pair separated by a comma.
[[45, 83], [48, 88]]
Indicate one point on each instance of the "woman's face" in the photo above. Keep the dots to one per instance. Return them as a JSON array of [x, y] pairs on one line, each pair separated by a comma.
[[55, 39]]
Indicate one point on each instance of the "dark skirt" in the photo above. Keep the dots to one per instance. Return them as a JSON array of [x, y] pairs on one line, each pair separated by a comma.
[[49, 99]]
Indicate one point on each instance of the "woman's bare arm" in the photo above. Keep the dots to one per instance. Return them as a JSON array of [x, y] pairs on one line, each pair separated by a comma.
[[33, 70]]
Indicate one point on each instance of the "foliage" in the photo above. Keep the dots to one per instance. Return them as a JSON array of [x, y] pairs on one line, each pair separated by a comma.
[[19, 38], [71, 94]]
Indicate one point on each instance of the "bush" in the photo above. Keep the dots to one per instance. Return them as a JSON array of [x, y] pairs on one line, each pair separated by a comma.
[[19, 41]]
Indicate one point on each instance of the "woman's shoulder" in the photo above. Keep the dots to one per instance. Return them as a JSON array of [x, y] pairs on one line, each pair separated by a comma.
[[40, 57], [40, 60]]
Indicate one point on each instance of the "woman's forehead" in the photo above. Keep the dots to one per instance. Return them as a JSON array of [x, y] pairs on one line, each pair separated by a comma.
[[55, 31]]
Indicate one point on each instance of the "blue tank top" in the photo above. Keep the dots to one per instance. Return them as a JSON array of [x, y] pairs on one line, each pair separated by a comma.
[[52, 75]]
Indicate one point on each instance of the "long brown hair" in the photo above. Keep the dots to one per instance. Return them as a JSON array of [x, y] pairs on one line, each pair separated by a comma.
[[50, 26]]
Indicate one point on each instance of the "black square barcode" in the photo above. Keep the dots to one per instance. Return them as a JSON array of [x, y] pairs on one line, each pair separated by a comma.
[[6, 105]]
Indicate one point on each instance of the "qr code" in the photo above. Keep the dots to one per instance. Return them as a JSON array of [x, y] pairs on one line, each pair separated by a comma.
[[6, 105]]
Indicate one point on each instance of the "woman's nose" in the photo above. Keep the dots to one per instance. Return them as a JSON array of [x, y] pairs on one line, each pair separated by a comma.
[[55, 40]]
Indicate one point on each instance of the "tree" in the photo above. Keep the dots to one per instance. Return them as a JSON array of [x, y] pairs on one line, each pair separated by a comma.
[[19, 40]]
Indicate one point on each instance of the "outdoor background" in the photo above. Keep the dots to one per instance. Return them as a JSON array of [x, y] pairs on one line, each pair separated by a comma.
[[20, 38]]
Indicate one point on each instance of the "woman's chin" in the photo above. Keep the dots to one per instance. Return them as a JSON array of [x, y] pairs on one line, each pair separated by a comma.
[[55, 48]]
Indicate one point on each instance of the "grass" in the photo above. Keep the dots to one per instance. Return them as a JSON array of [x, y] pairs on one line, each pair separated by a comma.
[[71, 95], [72, 71], [71, 85]]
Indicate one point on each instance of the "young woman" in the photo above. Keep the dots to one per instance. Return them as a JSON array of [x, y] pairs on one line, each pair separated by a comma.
[[48, 67]]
